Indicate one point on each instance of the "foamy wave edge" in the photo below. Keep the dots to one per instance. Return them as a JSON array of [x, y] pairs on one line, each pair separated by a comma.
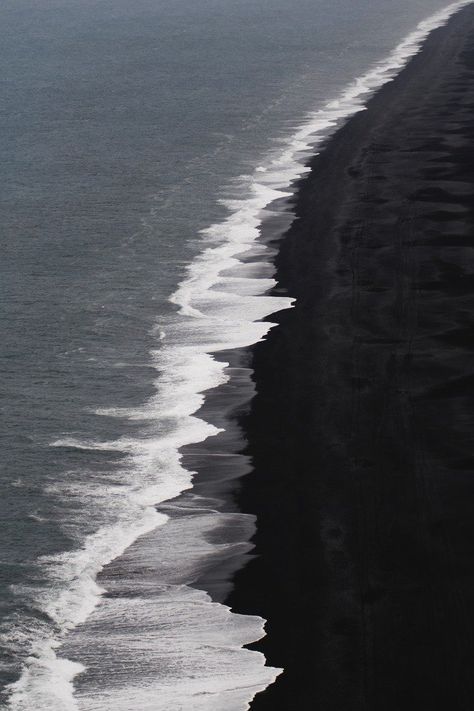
[[208, 318]]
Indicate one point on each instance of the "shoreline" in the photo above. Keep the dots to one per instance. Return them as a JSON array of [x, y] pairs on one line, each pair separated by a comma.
[[145, 582], [364, 569], [216, 577]]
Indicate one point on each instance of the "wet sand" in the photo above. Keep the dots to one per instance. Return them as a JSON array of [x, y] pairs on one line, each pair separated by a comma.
[[362, 428]]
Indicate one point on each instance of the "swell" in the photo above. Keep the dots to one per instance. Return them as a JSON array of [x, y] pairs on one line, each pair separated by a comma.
[[220, 307]]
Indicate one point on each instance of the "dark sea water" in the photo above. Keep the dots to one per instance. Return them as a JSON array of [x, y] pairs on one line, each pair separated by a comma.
[[139, 144]]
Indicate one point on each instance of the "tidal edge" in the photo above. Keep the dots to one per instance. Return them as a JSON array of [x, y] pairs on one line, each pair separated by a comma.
[[360, 431]]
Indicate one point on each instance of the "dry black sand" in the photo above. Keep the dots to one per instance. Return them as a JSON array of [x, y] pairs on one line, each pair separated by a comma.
[[361, 434]]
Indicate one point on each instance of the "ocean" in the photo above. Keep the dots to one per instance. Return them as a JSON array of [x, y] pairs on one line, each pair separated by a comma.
[[143, 146]]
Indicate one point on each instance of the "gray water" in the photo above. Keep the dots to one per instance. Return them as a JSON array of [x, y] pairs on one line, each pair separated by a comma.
[[122, 126]]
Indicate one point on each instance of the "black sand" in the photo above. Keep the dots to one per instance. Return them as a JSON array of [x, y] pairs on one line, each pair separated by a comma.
[[361, 433]]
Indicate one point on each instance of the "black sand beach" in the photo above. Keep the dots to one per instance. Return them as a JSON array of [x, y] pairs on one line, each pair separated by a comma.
[[361, 432]]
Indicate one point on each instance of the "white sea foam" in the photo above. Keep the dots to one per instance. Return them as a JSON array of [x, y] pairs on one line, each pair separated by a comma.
[[221, 303]]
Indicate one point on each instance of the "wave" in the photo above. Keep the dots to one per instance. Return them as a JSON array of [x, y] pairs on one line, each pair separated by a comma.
[[220, 306]]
